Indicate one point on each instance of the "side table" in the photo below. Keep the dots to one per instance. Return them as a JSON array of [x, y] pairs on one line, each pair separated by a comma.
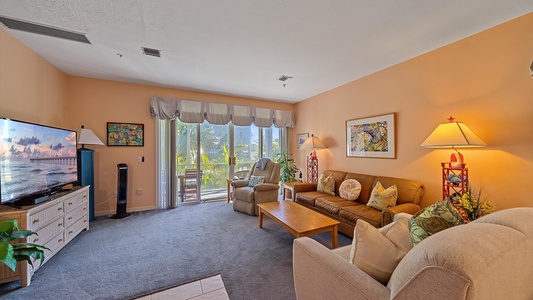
[[288, 186]]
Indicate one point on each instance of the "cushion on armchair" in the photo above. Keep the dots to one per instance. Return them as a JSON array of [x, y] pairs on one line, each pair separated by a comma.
[[377, 252], [432, 219], [255, 180]]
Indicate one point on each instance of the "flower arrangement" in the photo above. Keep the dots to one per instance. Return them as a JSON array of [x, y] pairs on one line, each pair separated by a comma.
[[472, 206]]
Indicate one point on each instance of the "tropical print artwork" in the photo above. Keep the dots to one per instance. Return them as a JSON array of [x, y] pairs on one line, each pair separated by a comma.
[[370, 137], [125, 134]]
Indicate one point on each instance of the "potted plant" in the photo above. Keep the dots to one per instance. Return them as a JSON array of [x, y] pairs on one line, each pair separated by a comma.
[[288, 168], [11, 253]]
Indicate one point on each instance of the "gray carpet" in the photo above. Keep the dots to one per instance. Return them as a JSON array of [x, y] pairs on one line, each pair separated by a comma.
[[149, 251]]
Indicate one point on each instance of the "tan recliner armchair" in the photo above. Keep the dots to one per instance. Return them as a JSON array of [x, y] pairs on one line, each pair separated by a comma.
[[246, 198]]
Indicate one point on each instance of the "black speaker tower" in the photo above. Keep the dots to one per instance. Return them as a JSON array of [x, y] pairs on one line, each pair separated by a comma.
[[122, 192]]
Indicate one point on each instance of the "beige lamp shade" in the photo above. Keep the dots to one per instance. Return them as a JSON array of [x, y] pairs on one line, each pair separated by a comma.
[[313, 142], [452, 134], [87, 137]]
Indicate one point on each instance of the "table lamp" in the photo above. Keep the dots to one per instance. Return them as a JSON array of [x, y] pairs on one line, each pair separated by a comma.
[[314, 143], [453, 134]]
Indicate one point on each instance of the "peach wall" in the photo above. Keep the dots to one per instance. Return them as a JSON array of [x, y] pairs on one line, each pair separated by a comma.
[[31, 89], [94, 102], [482, 80]]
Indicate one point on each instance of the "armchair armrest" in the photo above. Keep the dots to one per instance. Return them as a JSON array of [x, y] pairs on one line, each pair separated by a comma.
[[387, 215], [266, 187], [305, 187], [319, 273], [239, 183]]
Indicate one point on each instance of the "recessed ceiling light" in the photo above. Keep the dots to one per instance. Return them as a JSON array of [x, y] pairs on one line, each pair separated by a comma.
[[44, 30], [151, 52]]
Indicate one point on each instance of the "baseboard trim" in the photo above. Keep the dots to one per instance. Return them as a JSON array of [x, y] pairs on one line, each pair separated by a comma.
[[131, 210]]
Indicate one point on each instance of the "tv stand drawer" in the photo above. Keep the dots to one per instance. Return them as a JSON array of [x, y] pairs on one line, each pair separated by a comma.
[[56, 222]]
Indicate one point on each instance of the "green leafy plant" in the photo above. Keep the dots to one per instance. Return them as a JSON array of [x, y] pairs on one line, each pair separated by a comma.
[[11, 253], [288, 168]]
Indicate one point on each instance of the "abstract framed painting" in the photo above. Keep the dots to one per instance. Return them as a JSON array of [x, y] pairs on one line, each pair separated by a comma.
[[371, 137], [125, 134]]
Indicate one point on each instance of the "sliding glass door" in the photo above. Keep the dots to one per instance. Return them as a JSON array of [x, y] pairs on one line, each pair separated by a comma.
[[219, 152]]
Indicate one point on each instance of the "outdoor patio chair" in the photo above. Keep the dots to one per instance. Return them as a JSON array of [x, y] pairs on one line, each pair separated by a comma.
[[190, 184]]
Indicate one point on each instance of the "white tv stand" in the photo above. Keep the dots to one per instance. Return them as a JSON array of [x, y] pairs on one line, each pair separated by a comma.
[[56, 221]]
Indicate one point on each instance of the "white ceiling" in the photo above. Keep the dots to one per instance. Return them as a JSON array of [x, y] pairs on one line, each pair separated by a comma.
[[241, 47]]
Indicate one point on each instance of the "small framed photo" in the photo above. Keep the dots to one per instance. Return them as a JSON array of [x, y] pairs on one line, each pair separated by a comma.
[[125, 134], [301, 139], [371, 137]]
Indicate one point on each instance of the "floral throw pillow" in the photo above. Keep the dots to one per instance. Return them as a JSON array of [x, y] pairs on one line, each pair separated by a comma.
[[350, 189], [326, 184], [255, 180], [432, 219], [382, 198]]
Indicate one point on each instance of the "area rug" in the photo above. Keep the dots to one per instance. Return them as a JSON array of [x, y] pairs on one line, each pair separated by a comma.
[[153, 250]]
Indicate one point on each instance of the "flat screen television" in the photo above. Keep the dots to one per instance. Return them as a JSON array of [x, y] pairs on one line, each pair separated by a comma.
[[35, 160]]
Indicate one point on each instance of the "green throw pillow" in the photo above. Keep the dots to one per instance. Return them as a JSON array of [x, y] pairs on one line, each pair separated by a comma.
[[432, 219], [255, 180]]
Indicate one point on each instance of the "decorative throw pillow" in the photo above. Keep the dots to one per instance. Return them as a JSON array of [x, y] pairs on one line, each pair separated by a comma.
[[377, 252], [350, 189], [255, 180], [382, 198], [326, 184], [432, 219]]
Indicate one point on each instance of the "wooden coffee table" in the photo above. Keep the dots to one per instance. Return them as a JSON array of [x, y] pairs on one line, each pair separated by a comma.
[[298, 220]]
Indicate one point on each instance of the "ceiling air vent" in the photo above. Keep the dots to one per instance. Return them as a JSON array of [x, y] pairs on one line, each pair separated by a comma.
[[151, 52], [284, 78], [44, 30]]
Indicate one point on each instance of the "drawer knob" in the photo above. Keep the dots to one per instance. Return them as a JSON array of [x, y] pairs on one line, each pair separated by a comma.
[[59, 208], [70, 203], [35, 221], [70, 218], [84, 196], [85, 208], [60, 225], [60, 240], [70, 232], [36, 240]]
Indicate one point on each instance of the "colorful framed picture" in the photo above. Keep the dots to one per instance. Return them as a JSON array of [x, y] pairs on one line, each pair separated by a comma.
[[125, 134], [301, 139], [371, 137]]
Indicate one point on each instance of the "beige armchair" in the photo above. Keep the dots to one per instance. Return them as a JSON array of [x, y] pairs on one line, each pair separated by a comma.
[[246, 198]]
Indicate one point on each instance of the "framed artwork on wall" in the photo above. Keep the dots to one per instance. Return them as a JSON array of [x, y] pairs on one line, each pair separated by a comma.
[[371, 137], [301, 139], [125, 134]]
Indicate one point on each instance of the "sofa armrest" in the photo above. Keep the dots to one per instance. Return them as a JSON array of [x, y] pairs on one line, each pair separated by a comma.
[[239, 183], [319, 273], [305, 187], [387, 215], [266, 187]]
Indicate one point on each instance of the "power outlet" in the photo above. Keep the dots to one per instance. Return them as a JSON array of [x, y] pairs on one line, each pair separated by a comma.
[[140, 191], [115, 193]]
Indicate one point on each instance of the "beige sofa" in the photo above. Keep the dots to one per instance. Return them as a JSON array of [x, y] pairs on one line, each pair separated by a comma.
[[490, 258], [348, 212]]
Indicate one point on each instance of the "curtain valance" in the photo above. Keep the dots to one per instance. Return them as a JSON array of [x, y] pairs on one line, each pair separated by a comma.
[[189, 111]]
